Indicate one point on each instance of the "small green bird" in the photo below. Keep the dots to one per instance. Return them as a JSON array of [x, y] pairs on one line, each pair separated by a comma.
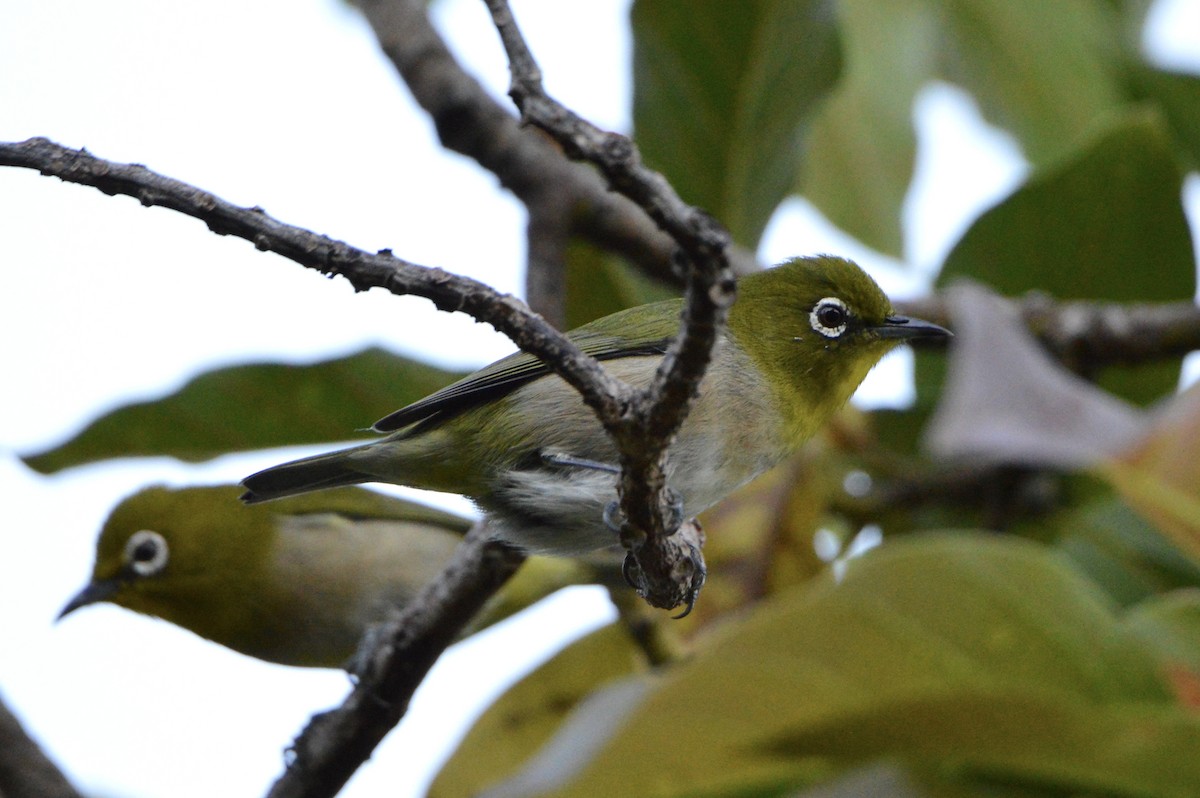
[[521, 443], [297, 582]]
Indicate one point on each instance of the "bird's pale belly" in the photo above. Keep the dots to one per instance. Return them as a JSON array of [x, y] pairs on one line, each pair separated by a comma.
[[560, 510]]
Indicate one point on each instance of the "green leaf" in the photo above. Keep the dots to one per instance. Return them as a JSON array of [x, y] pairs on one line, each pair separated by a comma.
[[599, 283], [1045, 71], [1105, 224], [863, 145], [522, 719], [1121, 552], [1179, 97], [537, 578], [251, 407], [722, 94], [985, 660]]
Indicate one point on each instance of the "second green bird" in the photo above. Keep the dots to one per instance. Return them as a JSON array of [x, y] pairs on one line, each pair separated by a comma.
[[521, 443]]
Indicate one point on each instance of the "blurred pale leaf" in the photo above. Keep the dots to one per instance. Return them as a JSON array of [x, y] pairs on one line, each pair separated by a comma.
[[986, 660], [875, 781], [529, 712], [722, 96], [1006, 401], [253, 407], [1171, 624]]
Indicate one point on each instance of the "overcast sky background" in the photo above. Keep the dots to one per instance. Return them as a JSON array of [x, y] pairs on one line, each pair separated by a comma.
[[289, 105]]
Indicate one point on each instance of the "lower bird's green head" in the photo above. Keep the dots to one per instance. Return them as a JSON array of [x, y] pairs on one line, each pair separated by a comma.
[[174, 553], [814, 327], [199, 558]]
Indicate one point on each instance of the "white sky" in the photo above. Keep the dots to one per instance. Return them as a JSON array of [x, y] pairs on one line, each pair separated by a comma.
[[285, 105]]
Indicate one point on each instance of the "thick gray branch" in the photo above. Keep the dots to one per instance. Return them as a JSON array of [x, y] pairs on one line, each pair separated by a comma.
[[25, 770], [395, 659], [471, 122], [1088, 335]]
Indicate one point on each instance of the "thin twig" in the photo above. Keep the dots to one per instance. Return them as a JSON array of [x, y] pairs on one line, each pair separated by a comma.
[[364, 270], [660, 564], [1094, 334]]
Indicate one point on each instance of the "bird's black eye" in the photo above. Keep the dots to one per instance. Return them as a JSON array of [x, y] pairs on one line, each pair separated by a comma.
[[829, 317], [146, 552]]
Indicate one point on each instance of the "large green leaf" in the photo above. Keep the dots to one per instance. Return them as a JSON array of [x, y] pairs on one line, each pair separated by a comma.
[[863, 144], [983, 660], [1179, 97], [722, 93], [253, 407], [1045, 71], [1105, 224]]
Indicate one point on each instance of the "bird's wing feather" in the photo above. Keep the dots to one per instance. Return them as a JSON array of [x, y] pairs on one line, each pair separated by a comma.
[[644, 333]]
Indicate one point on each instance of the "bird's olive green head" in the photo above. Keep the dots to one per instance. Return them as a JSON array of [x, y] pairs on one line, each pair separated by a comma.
[[815, 326], [173, 552]]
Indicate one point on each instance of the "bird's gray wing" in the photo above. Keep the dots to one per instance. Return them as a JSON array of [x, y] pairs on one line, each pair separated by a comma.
[[508, 374]]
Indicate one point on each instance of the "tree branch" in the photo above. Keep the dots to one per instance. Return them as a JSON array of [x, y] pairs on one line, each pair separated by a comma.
[[394, 659], [526, 162], [25, 770], [1089, 335], [364, 270]]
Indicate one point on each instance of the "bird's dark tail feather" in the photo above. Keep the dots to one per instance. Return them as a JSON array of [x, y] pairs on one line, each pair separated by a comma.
[[300, 476]]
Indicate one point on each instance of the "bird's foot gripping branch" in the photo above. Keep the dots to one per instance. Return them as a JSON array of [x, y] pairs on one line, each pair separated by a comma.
[[685, 572]]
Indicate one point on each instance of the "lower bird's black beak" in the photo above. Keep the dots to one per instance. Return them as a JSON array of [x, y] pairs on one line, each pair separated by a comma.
[[93, 593], [905, 328]]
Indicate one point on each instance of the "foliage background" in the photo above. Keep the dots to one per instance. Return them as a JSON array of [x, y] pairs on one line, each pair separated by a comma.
[[1099, 218]]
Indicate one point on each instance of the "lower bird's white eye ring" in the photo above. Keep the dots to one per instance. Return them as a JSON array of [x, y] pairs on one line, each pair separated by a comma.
[[146, 552], [829, 317]]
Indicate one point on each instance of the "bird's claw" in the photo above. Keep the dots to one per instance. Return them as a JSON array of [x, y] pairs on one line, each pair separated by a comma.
[[686, 575]]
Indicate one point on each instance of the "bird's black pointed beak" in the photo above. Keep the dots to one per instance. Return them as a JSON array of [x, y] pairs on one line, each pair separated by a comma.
[[95, 592], [905, 328]]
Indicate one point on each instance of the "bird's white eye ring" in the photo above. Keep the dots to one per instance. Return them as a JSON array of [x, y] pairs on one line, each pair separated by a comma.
[[829, 317], [146, 552]]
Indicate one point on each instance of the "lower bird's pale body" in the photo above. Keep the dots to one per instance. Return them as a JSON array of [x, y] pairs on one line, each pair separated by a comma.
[[297, 581]]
